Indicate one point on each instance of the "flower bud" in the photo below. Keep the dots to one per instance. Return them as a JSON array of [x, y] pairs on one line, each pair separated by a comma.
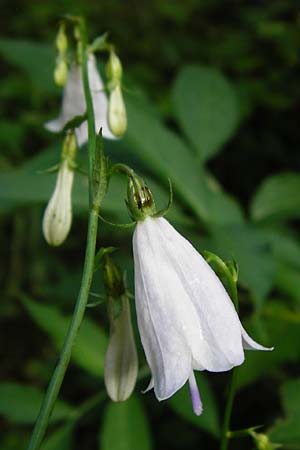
[[61, 39], [263, 442], [140, 200], [61, 72], [113, 68], [117, 117], [121, 361], [58, 214]]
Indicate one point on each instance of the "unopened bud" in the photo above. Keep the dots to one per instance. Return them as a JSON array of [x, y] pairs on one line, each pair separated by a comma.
[[58, 214], [263, 442], [117, 117], [61, 72], [114, 68], [61, 39], [121, 361]]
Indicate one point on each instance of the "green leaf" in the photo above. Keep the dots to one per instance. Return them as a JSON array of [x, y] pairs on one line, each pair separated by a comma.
[[20, 403], [277, 198], [287, 431], [91, 343], [277, 327], [181, 404], [249, 248], [206, 107], [166, 155], [36, 59], [125, 427], [60, 439]]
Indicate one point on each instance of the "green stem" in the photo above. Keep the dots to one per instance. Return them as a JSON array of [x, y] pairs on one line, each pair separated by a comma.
[[65, 355]]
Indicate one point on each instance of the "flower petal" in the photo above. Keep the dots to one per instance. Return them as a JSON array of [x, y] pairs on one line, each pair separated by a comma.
[[250, 344], [221, 348]]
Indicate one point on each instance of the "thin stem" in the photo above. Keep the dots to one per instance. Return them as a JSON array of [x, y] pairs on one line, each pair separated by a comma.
[[83, 295]]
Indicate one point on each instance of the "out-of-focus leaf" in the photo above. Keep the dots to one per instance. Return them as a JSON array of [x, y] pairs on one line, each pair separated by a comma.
[[20, 403], [206, 106], [181, 403], [166, 155], [277, 198], [91, 343], [60, 439], [36, 59], [125, 427], [287, 281], [278, 327], [287, 431], [249, 248]]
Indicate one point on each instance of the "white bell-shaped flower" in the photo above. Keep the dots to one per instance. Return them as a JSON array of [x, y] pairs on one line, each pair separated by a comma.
[[121, 361], [186, 319], [73, 103], [58, 214]]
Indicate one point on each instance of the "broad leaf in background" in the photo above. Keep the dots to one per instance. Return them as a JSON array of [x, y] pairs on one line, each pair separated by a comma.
[[206, 107], [36, 59], [277, 198], [181, 404], [166, 155], [91, 343], [287, 431], [248, 246], [278, 327], [125, 427], [60, 439], [20, 403]]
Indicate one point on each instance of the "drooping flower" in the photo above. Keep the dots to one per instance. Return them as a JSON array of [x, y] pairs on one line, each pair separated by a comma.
[[186, 319], [121, 361], [73, 103]]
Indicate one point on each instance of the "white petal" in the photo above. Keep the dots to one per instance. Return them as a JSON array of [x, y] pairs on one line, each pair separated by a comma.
[[167, 320], [221, 347], [250, 344]]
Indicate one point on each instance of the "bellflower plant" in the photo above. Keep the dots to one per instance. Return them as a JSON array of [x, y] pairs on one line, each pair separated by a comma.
[[73, 103], [186, 319]]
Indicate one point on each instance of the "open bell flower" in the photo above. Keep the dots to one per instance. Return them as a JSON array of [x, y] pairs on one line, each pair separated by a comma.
[[58, 214], [73, 103], [186, 319]]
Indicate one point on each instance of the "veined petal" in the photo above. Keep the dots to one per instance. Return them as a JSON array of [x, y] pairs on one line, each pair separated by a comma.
[[221, 348]]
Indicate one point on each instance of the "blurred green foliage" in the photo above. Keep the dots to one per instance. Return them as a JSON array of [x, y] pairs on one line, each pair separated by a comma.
[[212, 94]]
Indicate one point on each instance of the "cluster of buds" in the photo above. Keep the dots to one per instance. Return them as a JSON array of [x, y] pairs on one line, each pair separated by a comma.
[[58, 214], [61, 67], [117, 117], [121, 361]]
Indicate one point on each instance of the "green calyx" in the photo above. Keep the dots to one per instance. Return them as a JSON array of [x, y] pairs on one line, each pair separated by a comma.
[[140, 201], [113, 279]]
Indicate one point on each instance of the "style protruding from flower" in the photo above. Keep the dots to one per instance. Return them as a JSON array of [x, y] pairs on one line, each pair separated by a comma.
[[117, 117], [73, 103], [61, 66], [186, 318], [58, 214], [121, 361]]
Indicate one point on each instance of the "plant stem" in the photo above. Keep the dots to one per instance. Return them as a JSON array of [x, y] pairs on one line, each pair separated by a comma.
[[65, 355]]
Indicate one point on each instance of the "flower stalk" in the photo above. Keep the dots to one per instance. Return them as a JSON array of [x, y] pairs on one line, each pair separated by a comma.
[[94, 206]]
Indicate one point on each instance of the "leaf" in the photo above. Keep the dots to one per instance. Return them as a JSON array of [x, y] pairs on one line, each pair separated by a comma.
[[206, 107], [287, 431], [166, 155], [36, 59], [60, 439], [20, 403], [181, 404], [277, 198], [248, 247], [125, 427], [91, 343], [277, 327]]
